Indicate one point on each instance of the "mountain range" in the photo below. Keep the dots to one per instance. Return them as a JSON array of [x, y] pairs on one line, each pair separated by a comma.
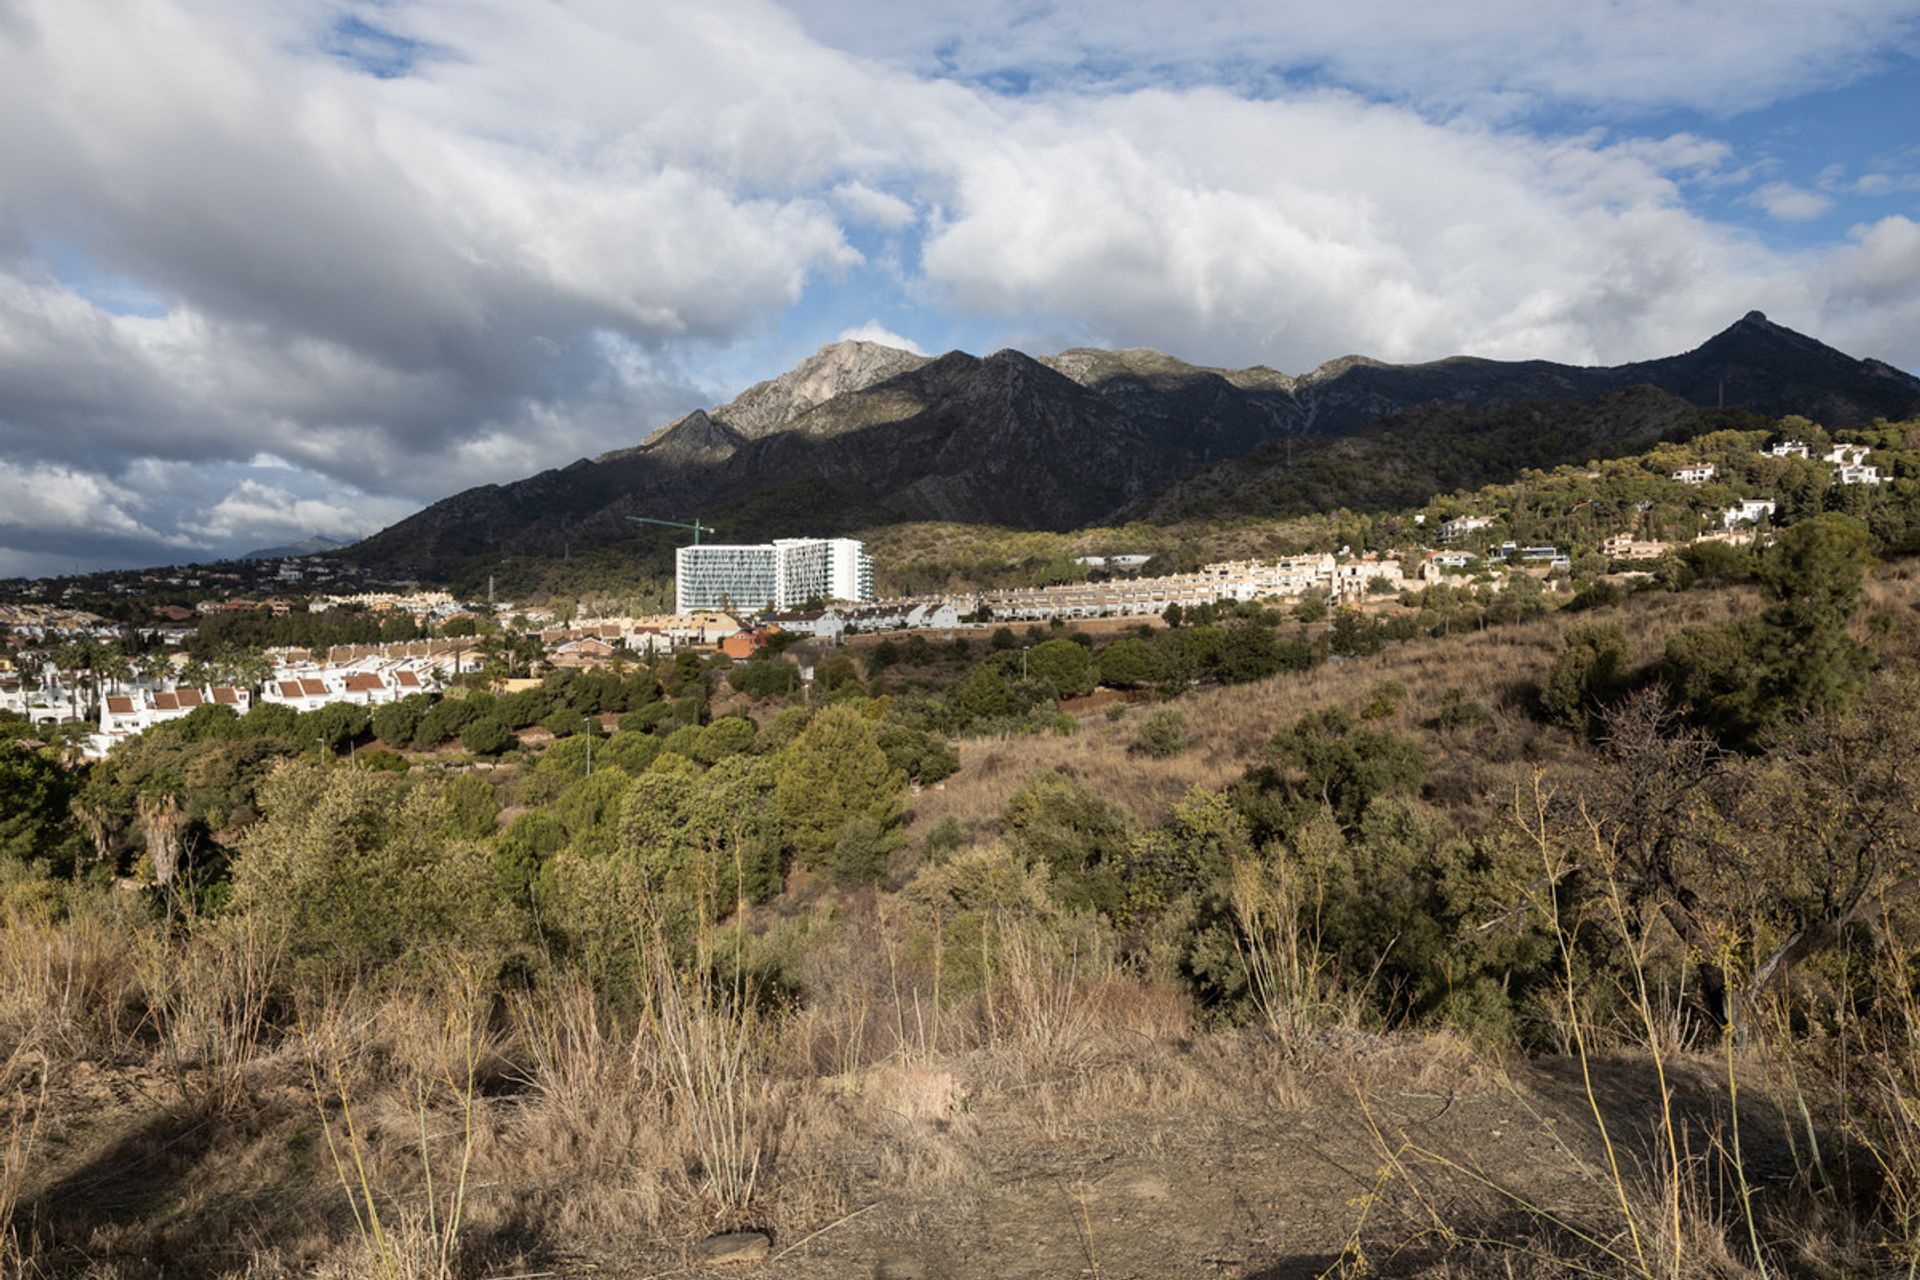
[[861, 434], [318, 544]]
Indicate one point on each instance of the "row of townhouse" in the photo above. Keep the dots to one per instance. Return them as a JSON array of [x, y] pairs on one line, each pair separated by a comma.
[[1120, 597], [124, 714], [364, 686], [1319, 576], [643, 637], [446, 657], [835, 621]]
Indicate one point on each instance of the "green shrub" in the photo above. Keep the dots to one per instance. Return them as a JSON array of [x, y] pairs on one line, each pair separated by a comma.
[[836, 798], [1162, 734]]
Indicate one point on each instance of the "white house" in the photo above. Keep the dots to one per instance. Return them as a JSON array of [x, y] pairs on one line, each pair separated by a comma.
[[364, 689], [1846, 455], [1857, 473], [935, 615], [1698, 474], [122, 715], [1747, 511], [1460, 526], [821, 624], [301, 692], [1789, 449]]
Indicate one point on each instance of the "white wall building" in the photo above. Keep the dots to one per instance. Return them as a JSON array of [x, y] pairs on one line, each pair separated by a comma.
[[1857, 473], [1697, 474], [1749, 511], [781, 574], [1790, 449], [1460, 526]]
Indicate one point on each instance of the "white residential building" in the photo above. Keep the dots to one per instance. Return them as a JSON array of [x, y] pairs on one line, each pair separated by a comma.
[[124, 714], [1699, 474], [301, 692], [1857, 473], [1846, 455], [933, 615], [821, 624], [1460, 526], [1122, 564], [782, 574], [1748, 511], [1790, 449]]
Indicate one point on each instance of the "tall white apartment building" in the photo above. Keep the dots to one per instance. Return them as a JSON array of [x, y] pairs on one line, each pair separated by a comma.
[[780, 574]]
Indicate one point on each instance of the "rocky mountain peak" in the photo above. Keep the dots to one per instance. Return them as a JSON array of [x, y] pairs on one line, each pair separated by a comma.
[[834, 370]]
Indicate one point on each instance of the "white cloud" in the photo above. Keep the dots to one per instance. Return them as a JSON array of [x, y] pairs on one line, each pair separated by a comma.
[[874, 331], [1789, 203], [42, 503], [259, 512], [876, 208], [288, 296], [1290, 231]]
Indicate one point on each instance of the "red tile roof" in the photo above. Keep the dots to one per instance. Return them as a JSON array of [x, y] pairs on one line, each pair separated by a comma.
[[120, 706], [407, 679], [363, 682], [226, 695], [313, 688], [289, 688]]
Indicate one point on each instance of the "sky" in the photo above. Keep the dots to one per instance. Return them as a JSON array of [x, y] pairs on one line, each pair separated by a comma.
[[274, 270]]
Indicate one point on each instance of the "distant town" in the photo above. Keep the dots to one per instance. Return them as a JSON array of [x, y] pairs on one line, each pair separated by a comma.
[[91, 682]]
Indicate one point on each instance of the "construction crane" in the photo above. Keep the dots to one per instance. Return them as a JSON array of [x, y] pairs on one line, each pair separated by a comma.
[[696, 526]]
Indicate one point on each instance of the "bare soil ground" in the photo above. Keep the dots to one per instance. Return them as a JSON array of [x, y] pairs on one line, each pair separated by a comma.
[[1220, 1157]]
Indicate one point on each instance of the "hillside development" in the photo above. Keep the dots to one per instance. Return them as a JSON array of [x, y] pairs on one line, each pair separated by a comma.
[[1503, 918]]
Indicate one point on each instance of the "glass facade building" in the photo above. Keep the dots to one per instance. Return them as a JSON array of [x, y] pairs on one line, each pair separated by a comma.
[[782, 574]]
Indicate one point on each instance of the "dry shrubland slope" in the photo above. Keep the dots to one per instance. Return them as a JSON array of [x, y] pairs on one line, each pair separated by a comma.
[[1396, 993]]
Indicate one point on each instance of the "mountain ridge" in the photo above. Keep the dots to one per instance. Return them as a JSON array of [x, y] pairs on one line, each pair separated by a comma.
[[860, 434]]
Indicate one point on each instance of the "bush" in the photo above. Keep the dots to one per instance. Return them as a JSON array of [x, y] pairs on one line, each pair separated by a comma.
[[486, 736], [1162, 734], [727, 736], [1589, 672], [761, 678], [917, 754], [334, 725]]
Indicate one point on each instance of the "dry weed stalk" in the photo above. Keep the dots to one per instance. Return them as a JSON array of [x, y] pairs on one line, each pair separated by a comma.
[[208, 999], [1278, 941], [412, 1242]]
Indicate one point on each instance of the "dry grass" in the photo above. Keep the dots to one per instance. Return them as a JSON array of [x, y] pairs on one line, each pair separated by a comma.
[[1228, 727]]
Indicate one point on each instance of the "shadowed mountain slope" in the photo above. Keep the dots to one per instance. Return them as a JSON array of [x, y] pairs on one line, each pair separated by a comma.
[[861, 434]]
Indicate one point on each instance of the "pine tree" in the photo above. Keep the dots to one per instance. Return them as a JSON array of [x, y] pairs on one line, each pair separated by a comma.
[[836, 797]]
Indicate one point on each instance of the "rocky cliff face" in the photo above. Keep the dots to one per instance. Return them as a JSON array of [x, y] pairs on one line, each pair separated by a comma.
[[835, 370], [860, 434]]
